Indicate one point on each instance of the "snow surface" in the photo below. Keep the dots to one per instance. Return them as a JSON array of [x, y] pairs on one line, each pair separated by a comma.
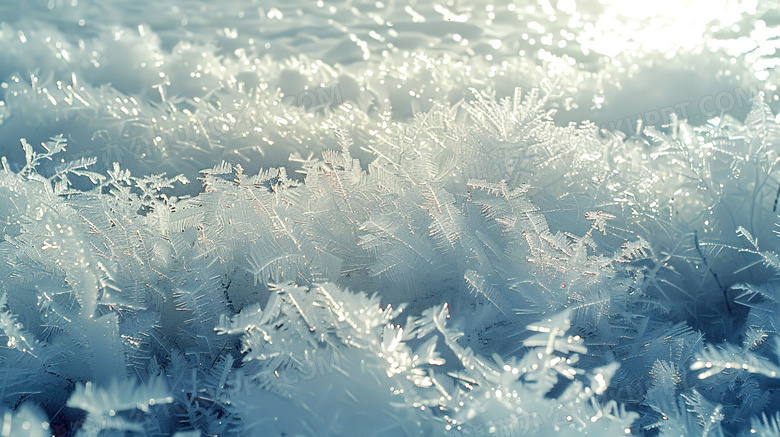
[[389, 218]]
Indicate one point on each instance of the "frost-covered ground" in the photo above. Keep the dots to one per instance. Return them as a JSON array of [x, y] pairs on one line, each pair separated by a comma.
[[389, 218]]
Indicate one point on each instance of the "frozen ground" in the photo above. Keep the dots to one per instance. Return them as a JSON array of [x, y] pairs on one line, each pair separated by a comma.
[[611, 61], [477, 161]]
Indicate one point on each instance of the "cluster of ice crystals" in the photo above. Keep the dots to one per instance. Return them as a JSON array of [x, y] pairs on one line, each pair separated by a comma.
[[214, 215]]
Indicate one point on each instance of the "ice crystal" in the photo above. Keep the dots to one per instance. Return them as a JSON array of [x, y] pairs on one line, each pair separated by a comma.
[[403, 229]]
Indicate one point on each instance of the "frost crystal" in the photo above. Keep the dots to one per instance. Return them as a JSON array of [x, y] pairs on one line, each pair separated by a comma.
[[388, 219]]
